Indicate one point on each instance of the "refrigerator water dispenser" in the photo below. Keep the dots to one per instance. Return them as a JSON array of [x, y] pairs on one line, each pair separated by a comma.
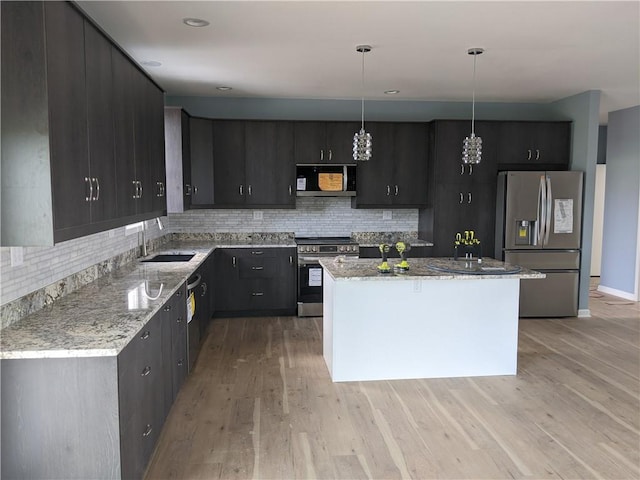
[[524, 232]]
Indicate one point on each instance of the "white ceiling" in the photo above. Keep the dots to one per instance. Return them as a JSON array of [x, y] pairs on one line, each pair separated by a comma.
[[534, 51]]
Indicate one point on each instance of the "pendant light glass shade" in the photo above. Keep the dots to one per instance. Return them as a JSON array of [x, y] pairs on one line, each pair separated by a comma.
[[472, 145], [362, 144]]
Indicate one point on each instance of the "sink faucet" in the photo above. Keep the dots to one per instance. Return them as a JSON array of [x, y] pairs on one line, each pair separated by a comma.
[[142, 240], [142, 237]]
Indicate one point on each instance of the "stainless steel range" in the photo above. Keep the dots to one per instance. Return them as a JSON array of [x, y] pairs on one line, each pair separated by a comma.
[[310, 251]]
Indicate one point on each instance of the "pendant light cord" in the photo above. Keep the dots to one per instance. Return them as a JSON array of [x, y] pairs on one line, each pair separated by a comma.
[[362, 93], [473, 97]]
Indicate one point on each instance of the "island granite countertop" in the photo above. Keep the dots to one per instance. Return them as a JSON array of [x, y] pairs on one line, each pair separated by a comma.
[[102, 317], [345, 268]]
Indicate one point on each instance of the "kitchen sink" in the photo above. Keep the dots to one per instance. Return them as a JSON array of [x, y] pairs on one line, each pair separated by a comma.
[[170, 257]]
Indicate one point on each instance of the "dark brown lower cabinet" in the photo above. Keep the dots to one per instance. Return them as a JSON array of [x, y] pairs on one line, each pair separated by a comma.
[[255, 281], [93, 417]]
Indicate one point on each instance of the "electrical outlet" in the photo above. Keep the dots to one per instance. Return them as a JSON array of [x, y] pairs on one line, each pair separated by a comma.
[[257, 214], [387, 215], [17, 256]]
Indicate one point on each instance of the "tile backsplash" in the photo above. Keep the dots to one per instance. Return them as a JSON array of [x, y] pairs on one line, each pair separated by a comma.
[[313, 216], [46, 273]]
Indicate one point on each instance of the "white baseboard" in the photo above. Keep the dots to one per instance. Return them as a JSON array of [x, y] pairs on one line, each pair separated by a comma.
[[618, 293], [584, 313]]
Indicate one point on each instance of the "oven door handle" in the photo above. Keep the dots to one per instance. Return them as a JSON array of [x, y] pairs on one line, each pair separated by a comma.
[[308, 261]]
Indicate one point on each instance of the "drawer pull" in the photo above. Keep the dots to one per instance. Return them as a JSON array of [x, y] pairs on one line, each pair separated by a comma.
[[180, 362], [257, 268], [146, 371], [147, 431], [167, 308], [145, 335], [257, 294], [257, 252], [179, 293], [179, 320]]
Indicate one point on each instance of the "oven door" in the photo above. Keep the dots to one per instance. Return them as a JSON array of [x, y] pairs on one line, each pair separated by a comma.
[[309, 287]]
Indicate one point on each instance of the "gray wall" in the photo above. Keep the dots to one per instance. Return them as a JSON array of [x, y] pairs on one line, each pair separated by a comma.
[[583, 109], [620, 243]]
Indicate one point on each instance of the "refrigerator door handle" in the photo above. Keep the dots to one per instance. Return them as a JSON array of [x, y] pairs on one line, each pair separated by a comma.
[[541, 211], [548, 210]]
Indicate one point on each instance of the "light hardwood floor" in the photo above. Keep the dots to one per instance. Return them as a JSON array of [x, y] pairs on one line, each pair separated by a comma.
[[260, 404]]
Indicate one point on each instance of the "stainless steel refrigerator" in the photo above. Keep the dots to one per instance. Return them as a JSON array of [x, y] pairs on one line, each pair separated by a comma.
[[538, 226]]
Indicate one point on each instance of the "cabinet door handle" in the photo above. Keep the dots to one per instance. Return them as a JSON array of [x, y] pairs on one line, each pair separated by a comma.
[[195, 189], [257, 268], [179, 293], [470, 169], [469, 197], [204, 289], [187, 189], [141, 191], [529, 154], [145, 335], [97, 180], [89, 197], [241, 190], [180, 362], [290, 190], [330, 154], [147, 431], [461, 197], [179, 320], [146, 371], [462, 169], [321, 155], [537, 154], [257, 294], [257, 252], [388, 190], [233, 261], [249, 190], [167, 308], [135, 189], [290, 259], [396, 190]]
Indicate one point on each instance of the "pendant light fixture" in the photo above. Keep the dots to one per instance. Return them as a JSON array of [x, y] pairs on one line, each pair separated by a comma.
[[472, 145], [362, 140]]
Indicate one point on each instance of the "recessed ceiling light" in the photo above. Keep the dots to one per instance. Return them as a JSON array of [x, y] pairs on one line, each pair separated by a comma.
[[224, 89], [195, 22], [391, 92], [150, 63]]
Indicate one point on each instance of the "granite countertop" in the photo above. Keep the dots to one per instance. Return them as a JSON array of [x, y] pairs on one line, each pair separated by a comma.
[[425, 269], [102, 317]]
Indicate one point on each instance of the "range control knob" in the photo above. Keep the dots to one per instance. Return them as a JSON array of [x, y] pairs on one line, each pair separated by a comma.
[[314, 248], [342, 248]]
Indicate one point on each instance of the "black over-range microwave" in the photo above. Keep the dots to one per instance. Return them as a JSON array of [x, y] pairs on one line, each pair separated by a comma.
[[322, 180]]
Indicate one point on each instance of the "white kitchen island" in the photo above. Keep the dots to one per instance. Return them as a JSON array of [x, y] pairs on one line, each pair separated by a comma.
[[427, 322]]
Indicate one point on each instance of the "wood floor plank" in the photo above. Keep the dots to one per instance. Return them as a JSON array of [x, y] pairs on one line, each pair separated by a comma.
[[260, 405]]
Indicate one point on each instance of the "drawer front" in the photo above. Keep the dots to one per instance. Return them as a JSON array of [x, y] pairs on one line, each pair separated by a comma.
[[263, 295], [258, 267]]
